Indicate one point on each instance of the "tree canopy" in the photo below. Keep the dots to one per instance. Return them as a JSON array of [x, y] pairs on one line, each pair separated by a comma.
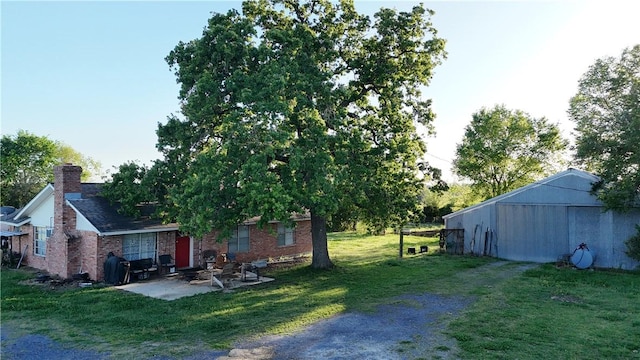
[[606, 110], [504, 149], [27, 165], [129, 186], [294, 107]]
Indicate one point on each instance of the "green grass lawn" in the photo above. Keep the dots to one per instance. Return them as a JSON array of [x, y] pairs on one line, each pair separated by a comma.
[[549, 313], [546, 312]]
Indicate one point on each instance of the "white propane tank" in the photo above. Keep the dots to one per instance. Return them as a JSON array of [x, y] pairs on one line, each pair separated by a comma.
[[582, 257]]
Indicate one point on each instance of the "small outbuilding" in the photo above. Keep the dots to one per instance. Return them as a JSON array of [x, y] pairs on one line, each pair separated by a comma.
[[546, 220]]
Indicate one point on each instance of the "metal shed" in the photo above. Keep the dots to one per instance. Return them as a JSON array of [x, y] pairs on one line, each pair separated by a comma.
[[545, 220]]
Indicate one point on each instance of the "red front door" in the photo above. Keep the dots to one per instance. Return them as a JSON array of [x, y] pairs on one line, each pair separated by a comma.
[[182, 252]]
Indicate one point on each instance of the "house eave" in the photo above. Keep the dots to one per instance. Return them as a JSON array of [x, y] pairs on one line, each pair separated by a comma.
[[12, 233], [141, 231], [294, 218], [19, 223]]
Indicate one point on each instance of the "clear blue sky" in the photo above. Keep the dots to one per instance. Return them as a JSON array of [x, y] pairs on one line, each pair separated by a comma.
[[93, 75]]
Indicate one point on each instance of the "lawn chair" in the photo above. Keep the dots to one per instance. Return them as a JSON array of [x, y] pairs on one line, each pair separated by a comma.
[[228, 273]]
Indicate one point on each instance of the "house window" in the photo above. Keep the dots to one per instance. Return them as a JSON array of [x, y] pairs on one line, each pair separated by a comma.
[[40, 240], [139, 246], [285, 235], [239, 241]]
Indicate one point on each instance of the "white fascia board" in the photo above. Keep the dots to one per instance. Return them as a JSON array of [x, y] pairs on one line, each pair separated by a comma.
[[24, 221], [12, 233], [36, 201], [143, 231]]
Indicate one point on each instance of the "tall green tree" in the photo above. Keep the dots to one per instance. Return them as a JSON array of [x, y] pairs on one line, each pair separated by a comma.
[[128, 186], [504, 149], [432, 193], [459, 196], [606, 111], [298, 106], [91, 169], [27, 162]]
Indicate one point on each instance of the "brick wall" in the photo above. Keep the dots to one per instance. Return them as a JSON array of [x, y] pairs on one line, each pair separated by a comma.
[[18, 244], [106, 244], [82, 253], [167, 243], [87, 247], [263, 243]]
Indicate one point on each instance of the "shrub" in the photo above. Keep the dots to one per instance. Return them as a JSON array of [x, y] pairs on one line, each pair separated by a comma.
[[633, 245]]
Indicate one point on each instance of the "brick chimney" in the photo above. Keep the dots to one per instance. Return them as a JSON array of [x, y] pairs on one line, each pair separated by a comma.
[[66, 186]]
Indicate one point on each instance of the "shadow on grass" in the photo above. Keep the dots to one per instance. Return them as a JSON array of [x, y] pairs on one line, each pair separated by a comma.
[[367, 273]]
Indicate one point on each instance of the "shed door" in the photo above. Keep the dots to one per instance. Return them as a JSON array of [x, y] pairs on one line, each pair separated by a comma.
[[182, 252], [532, 232]]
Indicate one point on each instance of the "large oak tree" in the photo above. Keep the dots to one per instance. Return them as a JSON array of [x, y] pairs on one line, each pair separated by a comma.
[[505, 149], [606, 111], [289, 107]]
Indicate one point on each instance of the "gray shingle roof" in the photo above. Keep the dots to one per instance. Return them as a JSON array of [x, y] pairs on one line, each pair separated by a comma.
[[10, 218], [105, 217]]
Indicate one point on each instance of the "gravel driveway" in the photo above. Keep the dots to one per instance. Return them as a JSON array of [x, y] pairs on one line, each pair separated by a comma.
[[410, 327], [407, 329], [38, 347]]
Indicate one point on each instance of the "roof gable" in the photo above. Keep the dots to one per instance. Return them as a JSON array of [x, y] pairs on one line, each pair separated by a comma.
[[35, 203], [571, 186]]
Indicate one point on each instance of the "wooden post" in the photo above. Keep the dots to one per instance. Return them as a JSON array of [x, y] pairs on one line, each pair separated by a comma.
[[401, 242], [22, 255]]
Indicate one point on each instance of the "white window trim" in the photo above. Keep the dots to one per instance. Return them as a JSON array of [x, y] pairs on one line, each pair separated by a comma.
[[40, 236]]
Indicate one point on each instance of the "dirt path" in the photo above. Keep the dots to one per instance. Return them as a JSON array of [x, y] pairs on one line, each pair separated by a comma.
[[410, 328]]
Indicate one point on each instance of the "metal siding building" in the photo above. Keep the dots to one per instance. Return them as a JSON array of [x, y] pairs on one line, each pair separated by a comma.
[[542, 221]]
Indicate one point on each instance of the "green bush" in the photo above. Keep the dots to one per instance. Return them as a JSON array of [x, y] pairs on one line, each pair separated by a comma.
[[10, 258], [633, 245]]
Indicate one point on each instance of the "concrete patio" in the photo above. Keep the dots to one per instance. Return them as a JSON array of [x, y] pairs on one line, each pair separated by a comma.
[[174, 286]]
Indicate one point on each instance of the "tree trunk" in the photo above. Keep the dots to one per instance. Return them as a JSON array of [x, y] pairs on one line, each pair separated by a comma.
[[320, 258]]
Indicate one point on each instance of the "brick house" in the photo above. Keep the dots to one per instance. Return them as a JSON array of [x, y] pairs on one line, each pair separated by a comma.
[[68, 228]]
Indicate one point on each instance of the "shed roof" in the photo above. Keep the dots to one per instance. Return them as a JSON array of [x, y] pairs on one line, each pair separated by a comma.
[[569, 187]]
